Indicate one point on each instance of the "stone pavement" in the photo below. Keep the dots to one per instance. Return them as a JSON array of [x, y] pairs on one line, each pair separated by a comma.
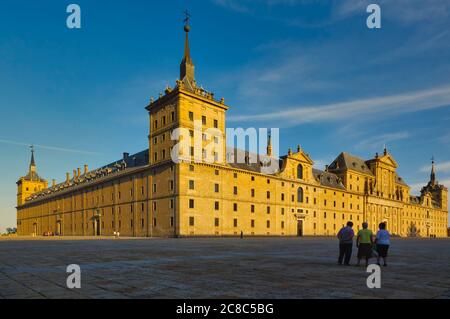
[[217, 268]]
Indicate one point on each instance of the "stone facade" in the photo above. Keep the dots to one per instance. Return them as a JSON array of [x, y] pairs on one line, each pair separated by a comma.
[[148, 194]]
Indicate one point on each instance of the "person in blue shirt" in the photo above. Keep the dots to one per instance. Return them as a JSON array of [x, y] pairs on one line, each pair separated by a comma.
[[382, 241], [345, 236]]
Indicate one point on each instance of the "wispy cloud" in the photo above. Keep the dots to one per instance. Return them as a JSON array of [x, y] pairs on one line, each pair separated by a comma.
[[443, 167], [403, 11], [378, 141], [46, 147], [386, 105], [416, 187], [234, 5]]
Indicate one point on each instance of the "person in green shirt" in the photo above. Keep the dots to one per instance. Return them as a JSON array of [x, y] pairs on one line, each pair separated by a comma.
[[364, 242]]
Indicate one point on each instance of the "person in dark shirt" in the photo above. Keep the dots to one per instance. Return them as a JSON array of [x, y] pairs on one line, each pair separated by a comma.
[[345, 236]]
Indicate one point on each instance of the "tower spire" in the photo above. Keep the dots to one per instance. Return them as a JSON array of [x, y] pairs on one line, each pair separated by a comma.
[[433, 173], [32, 162], [269, 143], [187, 69]]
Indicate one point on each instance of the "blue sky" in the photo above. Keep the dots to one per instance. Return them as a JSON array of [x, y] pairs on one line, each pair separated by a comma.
[[310, 67]]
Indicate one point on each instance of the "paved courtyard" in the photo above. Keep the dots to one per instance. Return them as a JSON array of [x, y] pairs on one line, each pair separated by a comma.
[[217, 268]]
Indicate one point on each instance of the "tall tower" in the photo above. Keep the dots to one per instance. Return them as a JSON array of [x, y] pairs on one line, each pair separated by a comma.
[[189, 107], [31, 183]]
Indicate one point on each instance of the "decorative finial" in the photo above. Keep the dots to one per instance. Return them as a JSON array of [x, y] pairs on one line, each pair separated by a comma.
[[299, 148], [289, 151], [187, 27]]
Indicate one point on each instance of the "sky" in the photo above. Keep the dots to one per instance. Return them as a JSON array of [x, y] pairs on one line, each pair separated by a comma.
[[311, 68]]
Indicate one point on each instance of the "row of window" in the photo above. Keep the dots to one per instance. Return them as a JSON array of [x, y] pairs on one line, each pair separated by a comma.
[[235, 222]]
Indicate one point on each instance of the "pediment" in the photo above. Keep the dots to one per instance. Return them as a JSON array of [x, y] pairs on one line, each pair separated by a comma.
[[302, 157], [388, 160]]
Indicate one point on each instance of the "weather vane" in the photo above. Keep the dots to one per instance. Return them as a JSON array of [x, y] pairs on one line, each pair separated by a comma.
[[187, 17]]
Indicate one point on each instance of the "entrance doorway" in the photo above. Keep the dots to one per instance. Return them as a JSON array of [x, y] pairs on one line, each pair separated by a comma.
[[58, 229], [300, 228], [96, 227]]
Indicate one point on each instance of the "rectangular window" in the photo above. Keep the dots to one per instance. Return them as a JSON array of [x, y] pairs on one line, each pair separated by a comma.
[[235, 222], [191, 221], [268, 195], [268, 209], [171, 221], [204, 120], [191, 203], [216, 188], [253, 192], [282, 225], [252, 208], [216, 222], [191, 184], [216, 124], [235, 207], [253, 223], [216, 205], [191, 116], [268, 224], [235, 190]]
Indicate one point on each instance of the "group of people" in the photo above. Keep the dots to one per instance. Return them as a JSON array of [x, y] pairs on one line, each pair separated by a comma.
[[368, 244]]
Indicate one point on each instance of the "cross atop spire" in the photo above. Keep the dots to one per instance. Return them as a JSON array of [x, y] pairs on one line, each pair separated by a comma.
[[187, 69]]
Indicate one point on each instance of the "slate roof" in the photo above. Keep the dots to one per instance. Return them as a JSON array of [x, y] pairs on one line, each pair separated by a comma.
[[347, 161], [328, 179], [125, 165]]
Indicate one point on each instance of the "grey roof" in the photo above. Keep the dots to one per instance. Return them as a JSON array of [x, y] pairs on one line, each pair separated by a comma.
[[400, 180], [246, 160], [347, 161], [127, 164], [328, 179]]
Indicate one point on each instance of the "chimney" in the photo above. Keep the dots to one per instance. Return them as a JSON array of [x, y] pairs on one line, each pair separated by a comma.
[[125, 156], [74, 174], [78, 172], [53, 182], [326, 168], [67, 177], [86, 169]]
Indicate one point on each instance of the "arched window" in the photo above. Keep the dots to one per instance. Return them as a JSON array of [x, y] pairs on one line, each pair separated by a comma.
[[300, 171], [300, 195]]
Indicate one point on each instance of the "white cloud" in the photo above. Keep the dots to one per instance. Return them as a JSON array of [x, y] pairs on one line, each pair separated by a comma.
[[403, 11], [379, 141], [51, 148], [443, 167], [415, 188], [386, 105]]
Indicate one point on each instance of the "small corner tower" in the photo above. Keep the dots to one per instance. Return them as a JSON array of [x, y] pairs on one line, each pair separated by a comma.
[[31, 183]]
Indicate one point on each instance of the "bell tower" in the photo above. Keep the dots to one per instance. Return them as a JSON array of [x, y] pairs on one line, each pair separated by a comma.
[[31, 183]]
